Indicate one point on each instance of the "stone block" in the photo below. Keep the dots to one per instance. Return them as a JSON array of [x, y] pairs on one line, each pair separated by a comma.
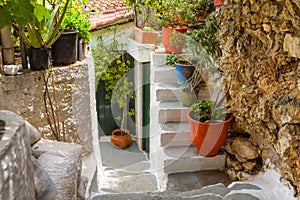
[[291, 44], [62, 161]]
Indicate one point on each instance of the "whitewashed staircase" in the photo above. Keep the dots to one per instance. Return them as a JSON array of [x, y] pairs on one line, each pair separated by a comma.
[[169, 125]]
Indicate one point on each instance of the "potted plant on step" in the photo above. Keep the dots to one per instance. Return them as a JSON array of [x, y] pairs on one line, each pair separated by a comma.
[[173, 24], [142, 12], [184, 68], [209, 123], [190, 88], [111, 67], [41, 33]]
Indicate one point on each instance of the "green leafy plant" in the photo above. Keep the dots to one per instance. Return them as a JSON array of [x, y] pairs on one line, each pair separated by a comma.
[[173, 13], [43, 31], [205, 37], [76, 19], [210, 111], [16, 11], [111, 67], [143, 8], [172, 59]]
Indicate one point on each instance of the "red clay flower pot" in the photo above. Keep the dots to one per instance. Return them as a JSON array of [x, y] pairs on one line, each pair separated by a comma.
[[218, 3], [172, 45], [208, 138], [121, 138], [145, 37]]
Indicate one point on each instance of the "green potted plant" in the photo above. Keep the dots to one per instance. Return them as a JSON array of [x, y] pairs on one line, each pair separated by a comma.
[[77, 19], [111, 68], [184, 68], [40, 33], [143, 33], [209, 123], [173, 24], [191, 87]]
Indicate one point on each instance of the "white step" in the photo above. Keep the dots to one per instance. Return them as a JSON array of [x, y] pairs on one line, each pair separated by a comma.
[[186, 159], [158, 58], [168, 92], [172, 112], [175, 134], [165, 74]]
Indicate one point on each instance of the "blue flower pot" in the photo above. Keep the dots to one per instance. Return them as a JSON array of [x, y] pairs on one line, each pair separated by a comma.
[[183, 72]]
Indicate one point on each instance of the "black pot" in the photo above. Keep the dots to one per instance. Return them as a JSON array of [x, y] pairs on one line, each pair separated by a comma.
[[64, 50], [39, 58]]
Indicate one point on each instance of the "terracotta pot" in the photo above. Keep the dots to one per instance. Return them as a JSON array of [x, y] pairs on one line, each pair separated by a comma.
[[171, 45], [121, 141], [208, 138], [218, 3], [145, 37]]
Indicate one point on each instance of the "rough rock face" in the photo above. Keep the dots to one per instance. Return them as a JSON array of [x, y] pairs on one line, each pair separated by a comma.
[[260, 41]]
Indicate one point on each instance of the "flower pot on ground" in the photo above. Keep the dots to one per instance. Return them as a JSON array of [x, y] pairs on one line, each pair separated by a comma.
[[173, 40], [121, 138], [39, 58], [145, 35], [209, 124], [64, 50]]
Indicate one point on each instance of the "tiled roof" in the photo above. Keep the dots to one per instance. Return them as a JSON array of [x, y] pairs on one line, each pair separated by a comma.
[[107, 11]]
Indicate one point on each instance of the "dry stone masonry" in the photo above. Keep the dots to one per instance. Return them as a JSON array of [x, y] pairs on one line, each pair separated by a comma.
[[260, 41]]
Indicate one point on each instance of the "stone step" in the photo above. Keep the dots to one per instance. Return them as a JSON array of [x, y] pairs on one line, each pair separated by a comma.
[[158, 58], [137, 183], [186, 159], [175, 134], [168, 92], [172, 112], [165, 74]]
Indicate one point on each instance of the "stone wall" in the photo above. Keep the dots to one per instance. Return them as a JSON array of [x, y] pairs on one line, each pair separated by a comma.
[[26, 95], [260, 41]]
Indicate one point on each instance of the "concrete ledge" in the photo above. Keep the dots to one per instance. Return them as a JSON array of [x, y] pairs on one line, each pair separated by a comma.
[[140, 52]]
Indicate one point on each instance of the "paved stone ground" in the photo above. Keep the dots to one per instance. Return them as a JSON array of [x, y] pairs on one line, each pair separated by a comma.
[[129, 177]]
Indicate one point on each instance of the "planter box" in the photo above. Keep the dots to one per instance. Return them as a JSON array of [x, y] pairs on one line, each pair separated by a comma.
[[145, 37]]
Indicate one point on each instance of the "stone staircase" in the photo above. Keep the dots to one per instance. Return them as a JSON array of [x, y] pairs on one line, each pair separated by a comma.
[[172, 132]]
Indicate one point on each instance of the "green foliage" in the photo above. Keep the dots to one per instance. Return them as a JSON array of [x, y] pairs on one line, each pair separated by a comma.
[[142, 7], [18, 11], [77, 19], [205, 37], [111, 68], [109, 65], [43, 31], [171, 59], [210, 111], [182, 12]]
